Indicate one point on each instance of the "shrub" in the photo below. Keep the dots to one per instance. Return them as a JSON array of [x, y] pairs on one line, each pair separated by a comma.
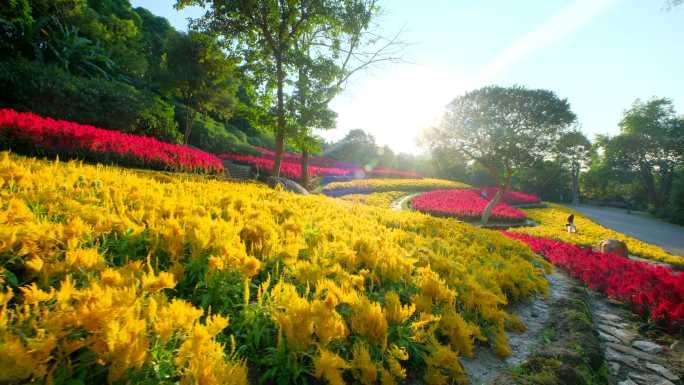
[[50, 91], [212, 136]]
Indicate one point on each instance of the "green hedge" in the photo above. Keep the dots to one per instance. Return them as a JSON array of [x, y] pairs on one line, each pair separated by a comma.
[[114, 105]]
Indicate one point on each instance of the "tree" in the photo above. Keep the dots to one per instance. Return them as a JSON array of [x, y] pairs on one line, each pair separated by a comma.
[[271, 35], [651, 144], [502, 128], [356, 147], [574, 150], [201, 75], [308, 106]]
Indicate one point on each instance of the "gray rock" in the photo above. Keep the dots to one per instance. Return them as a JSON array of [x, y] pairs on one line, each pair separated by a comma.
[[647, 346], [286, 184], [638, 354], [663, 371], [612, 355], [608, 316], [624, 335], [648, 379], [614, 246], [627, 382], [607, 337], [614, 368]]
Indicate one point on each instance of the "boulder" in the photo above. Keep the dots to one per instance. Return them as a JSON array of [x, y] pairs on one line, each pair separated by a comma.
[[286, 184], [614, 246]]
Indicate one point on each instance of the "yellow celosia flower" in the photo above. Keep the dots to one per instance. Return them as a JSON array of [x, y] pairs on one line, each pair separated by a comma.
[[395, 312], [461, 333], [126, 345], [111, 277], [377, 185], [443, 366], [328, 366], [16, 363], [362, 366], [33, 295], [5, 297], [203, 361], [84, 258], [154, 283], [34, 264], [331, 258], [379, 199], [369, 321]]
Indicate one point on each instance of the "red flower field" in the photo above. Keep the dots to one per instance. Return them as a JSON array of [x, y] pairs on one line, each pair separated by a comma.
[[511, 197], [655, 291], [26, 132], [464, 204], [288, 168]]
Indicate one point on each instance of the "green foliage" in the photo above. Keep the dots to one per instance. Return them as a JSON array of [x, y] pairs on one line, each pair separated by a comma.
[[212, 136], [50, 91], [502, 128], [546, 179], [640, 164], [676, 207], [357, 147], [299, 54], [200, 75]]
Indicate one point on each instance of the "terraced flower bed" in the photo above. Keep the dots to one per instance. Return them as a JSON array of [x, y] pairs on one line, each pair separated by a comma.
[[380, 199], [512, 198], [35, 135], [552, 221], [653, 291], [367, 186], [464, 204], [120, 277]]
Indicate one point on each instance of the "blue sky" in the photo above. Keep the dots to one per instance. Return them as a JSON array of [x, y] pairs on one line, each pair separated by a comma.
[[599, 54]]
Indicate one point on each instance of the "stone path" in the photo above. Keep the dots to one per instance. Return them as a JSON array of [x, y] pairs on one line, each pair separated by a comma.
[[485, 365], [633, 358], [666, 235], [398, 203]]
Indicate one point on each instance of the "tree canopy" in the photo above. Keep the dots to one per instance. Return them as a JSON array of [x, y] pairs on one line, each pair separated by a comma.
[[277, 39], [502, 128]]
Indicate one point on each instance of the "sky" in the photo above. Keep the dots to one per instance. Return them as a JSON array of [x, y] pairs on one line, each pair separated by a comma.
[[599, 54]]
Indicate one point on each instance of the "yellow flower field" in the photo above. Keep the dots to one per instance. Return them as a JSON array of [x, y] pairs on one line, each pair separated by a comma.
[[380, 199], [552, 225], [379, 185], [115, 275]]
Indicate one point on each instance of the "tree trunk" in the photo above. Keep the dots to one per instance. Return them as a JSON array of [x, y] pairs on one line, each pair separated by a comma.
[[575, 183], [486, 214], [666, 181], [305, 168], [649, 183], [189, 119], [280, 111]]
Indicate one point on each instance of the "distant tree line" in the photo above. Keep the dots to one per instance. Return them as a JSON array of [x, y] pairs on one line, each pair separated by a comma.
[[529, 140]]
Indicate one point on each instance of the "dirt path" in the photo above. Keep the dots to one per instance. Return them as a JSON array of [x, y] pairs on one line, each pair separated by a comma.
[[485, 365], [666, 235], [398, 204]]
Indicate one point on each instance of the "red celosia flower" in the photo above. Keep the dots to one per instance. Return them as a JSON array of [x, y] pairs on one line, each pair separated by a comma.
[[36, 134], [465, 204], [656, 291]]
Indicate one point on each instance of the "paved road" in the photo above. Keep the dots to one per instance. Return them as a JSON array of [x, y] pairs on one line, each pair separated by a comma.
[[648, 229]]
